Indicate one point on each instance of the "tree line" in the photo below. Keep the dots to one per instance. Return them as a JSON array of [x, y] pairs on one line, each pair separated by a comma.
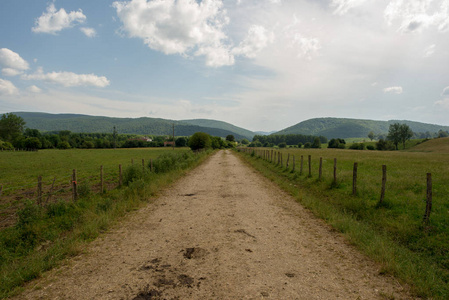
[[14, 135], [287, 139]]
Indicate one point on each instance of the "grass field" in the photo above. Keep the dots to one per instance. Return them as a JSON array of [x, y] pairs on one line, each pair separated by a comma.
[[20, 170], [44, 235], [392, 233]]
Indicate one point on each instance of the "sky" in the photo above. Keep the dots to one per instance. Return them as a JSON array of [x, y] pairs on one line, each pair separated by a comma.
[[263, 65]]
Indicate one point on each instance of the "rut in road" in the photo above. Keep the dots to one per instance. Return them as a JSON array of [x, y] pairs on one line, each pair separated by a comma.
[[222, 232]]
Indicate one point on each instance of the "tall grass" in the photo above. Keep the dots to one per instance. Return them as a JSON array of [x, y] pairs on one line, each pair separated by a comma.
[[392, 233], [45, 235]]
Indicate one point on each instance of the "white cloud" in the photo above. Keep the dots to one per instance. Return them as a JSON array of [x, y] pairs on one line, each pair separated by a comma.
[[429, 51], [343, 6], [54, 21], [34, 89], [308, 47], [257, 39], [178, 27], [393, 89], [69, 79], [416, 15], [12, 62], [7, 87], [11, 72], [89, 32]]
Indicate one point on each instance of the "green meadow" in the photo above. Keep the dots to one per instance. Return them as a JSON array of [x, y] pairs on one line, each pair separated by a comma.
[[393, 233]]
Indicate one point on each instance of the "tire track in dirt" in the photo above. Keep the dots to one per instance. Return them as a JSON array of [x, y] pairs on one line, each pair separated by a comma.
[[222, 232]]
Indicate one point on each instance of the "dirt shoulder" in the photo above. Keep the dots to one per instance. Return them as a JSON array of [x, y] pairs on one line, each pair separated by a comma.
[[223, 232]]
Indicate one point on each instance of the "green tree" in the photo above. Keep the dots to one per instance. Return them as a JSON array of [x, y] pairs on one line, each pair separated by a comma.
[[11, 127], [316, 143], [32, 143], [200, 140], [181, 142], [245, 142], [230, 138], [282, 145], [405, 133], [394, 134], [371, 135]]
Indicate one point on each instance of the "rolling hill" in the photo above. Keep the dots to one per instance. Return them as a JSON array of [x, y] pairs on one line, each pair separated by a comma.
[[440, 145], [145, 126], [353, 128]]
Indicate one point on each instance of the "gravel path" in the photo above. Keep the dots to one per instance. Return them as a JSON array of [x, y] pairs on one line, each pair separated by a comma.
[[223, 232]]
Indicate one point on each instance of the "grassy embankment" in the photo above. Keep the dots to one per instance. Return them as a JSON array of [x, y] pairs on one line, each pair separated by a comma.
[[43, 236], [393, 233]]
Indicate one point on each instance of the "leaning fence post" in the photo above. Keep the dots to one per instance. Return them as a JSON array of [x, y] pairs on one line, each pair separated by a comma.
[[320, 169], [39, 190], [384, 181], [74, 191], [354, 179], [428, 200], [120, 175]]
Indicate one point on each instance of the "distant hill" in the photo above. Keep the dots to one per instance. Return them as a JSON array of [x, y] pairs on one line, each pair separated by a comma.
[[440, 145], [145, 126], [264, 132], [220, 125], [352, 128]]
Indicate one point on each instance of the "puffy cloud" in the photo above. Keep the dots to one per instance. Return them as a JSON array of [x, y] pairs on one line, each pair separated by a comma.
[[393, 89], [257, 39], [89, 32], [69, 79], [34, 89], [416, 15], [178, 27], [7, 87], [343, 6], [54, 21], [12, 62]]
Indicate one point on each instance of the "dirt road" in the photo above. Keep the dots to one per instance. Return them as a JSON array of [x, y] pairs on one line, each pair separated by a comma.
[[223, 232]]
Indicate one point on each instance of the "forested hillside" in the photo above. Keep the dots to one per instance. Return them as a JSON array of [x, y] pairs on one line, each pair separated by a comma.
[[352, 128], [144, 126]]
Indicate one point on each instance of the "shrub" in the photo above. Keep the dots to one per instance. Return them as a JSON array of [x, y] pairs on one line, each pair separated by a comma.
[[308, 145], [370, 147], [200, 140], [316, 143], [337, 143], [357, 146], [299, 145], [385, 145], [282, 145], [132, 173]]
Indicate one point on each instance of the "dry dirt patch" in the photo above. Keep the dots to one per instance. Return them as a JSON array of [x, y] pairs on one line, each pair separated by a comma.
[[223, 232]]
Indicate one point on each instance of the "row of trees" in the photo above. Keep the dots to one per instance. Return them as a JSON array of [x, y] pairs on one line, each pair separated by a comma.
[[14, 135], [287, 139]]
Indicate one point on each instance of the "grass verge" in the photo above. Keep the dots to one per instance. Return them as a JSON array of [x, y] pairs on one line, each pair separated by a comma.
[[382, 233], [46, 235]]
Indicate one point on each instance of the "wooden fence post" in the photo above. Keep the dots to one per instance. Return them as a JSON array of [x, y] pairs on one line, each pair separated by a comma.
[[428, 200], [335, 170], [354, 179], [384, 181], [272, 155], [151, 165], [302, 163], [39, 190], [320, 169], [74, 191], [120, 175], [282, 163], [288, 160], [101, 180], [310, 165], [1, 189], [293, 169]]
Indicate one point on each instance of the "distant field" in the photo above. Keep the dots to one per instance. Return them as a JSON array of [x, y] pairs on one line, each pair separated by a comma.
[[440, 145]]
